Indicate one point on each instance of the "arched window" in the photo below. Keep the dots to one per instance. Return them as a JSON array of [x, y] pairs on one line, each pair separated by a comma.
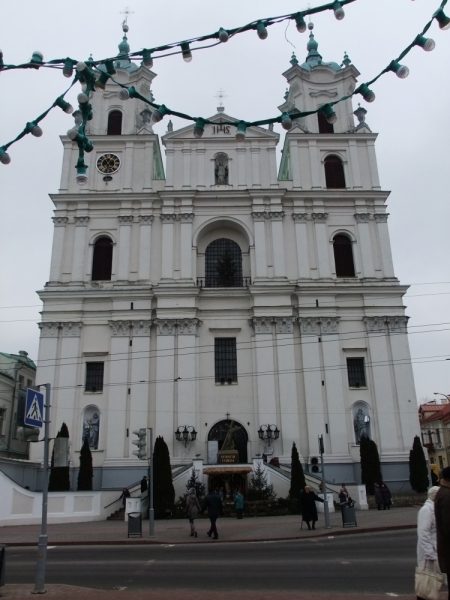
[[102, 260], [223, 264], [115, 123], [343, 256], [324, 126], [334, 172], [221, 169]]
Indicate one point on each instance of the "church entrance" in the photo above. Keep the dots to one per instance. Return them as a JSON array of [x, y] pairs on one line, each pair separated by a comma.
[[240, 438]]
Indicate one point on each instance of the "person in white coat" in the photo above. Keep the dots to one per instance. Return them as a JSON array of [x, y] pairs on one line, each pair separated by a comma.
[[426, 533]]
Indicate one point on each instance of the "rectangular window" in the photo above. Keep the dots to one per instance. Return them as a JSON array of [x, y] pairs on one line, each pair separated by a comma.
[[94, 377], [2, 421], [225, 360], [29, 383], [21, 382], [355, 370]]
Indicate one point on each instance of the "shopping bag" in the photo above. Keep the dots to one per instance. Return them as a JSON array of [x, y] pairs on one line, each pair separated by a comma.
[[429, 582]]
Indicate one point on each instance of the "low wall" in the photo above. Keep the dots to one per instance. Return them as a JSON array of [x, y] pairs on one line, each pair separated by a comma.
[[19, 506]]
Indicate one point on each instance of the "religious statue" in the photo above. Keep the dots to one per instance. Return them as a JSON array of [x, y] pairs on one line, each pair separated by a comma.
[[360, 425], [90, 431], [228, 442], [221, 169]]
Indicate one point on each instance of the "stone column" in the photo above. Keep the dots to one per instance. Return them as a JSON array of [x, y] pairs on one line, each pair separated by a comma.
[[148, 166], [384, 244], [242, 175], [145, 242], [278, 243], [170, 154], [259, 219], [264, 370], [322, 244], [117, 417], [287, 382], [128, 167], [186, 245], [354, 161], [301, 239], [273, 177], [186, 167], [201, 152], [79, 248], [256, 178], [165, 375], [316, 179], [140, 409], [123, 269], [167, 221], [295, 165], [58, 248], [310, 333], [365, 243]]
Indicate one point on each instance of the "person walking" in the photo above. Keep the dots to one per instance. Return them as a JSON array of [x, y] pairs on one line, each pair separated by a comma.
[[144, 484], [426, 534], [239, 504], [308, 502], [192, 509], [442, 513], [386, 496], [378, 496], [213, 504]]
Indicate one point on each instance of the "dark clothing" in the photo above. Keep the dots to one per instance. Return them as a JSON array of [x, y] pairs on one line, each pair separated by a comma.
[[378, 496], [442, 515], [144, 485], [213, 504], [386, 496], [239, 512], [308, 502], [125, 494], [213, 528]]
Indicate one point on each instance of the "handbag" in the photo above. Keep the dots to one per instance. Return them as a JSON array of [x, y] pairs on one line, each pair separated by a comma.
[[428, 583]]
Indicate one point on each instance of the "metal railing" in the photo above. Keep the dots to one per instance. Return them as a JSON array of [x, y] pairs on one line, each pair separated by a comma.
[[223, 282]]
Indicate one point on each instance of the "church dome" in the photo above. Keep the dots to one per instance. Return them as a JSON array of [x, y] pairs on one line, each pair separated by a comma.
[[124, 46]]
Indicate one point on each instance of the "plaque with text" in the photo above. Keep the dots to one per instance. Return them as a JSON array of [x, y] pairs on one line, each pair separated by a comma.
[[230, 457]]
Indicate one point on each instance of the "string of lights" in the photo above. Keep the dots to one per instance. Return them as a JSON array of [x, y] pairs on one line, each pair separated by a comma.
[[86, 73]]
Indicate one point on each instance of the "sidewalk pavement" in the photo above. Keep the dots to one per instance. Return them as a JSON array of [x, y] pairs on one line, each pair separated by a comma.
[[176, 531]]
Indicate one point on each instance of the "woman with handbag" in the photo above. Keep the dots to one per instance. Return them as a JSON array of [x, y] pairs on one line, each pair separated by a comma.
[[192, 509], [428, 576]]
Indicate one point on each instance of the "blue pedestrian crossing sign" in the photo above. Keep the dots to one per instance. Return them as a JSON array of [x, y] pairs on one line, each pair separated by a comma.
[[34, 409]]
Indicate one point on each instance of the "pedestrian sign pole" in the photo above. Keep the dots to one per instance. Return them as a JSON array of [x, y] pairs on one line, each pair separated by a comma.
[[39, 586], [324, 486], [151, 512]]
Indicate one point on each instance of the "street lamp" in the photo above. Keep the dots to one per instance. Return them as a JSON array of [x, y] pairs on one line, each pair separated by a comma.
[[268, 432], [441, 394], [185, 434]]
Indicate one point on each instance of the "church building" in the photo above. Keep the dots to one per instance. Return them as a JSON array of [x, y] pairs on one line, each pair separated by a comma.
[[228, 289]]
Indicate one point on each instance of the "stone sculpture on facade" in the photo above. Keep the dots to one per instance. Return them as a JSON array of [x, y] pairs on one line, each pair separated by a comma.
[[91, 429], [221, 169], [360, 424]]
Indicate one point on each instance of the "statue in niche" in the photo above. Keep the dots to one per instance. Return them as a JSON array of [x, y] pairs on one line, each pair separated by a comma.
[[221, 169], [90, 431], [228, 442], [360, 424]]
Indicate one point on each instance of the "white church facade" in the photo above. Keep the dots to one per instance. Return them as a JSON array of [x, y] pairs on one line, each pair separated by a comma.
[[228, 289]]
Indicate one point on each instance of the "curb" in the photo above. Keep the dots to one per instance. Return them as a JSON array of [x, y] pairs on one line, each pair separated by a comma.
[[146, 541]]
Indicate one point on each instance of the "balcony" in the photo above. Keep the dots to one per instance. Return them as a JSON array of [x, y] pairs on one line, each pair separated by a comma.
[[223, 282], [429, 447]]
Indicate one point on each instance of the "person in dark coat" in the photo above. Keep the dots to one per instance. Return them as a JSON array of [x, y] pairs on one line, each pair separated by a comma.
[[125, 494], [239, 504], [192, 509], [213, 504], [378, 496], [308, 502], [144, 484], [386, 496], [442, 515]]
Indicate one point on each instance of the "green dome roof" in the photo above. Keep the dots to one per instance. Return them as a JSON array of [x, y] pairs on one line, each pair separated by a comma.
[[124, 46]]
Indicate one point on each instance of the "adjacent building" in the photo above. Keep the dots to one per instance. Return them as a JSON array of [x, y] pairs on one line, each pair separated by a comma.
[[435, 429]]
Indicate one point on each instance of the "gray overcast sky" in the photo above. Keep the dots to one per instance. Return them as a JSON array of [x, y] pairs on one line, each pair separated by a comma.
[[411, 116]]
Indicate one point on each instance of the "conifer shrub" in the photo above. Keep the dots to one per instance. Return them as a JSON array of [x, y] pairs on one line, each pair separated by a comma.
[[418, 470]]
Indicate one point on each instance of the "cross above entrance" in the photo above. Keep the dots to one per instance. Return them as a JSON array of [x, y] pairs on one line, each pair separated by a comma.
[[227, 415]]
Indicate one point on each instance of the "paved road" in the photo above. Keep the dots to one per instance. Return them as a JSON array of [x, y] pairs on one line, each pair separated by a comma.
[[367, 563]]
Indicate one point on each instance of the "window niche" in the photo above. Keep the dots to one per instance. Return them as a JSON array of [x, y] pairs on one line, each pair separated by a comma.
[[91, 426], [225, 359], [223, 264], [221, 169], [114, 123], [343, 256], [102, 260], [361, 421], [334, 173]]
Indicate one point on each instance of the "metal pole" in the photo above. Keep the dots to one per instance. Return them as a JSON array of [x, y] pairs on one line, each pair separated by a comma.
[[324, 487], [151, 512], [39, 586]]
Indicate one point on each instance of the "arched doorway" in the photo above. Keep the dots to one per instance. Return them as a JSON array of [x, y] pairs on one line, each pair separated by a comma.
[[219, 431]]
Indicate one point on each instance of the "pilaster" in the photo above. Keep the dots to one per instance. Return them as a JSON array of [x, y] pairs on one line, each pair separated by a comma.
[[145, 243], [259, 219], [167, 220], [186, 167], [186, 219], [187, 367], [256, 177], [264, 369], [58, 247], [141, 357], [384, 243], [79, 247], [276, 218], [301, 240], [362, 220], [320, 228], [165, 415], [125, 224]]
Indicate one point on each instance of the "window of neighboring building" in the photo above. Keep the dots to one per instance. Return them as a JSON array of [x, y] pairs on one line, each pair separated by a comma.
[[355, 371], [29, 383], [2, 421], [334, 173], [225, 360], [21, 382], [102, 260], [223, 264], [343, 256], [324, 126], [94, 376], [441, 462], [115, 123]]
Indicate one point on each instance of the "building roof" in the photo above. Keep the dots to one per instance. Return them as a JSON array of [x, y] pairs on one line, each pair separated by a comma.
[[441, 412], [313, 58], [21, 357]]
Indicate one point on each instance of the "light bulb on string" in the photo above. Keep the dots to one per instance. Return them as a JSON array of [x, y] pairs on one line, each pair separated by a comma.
[[186, 52], [81, 176], [300, 23], [100, 83], [68, 68], [34, 129], [127, 92], [5, 159], [329, 113], [241, 131], [159, 113], [2, 64], [366, 92], [223, 35], [442, 19], [401, 71], [338, 10], [63, 105], [261, 30], [426, 43], [81, 66], [37, 59], [199, 127], [80, 139], [82, 98], [147, 59], [286, 121]]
